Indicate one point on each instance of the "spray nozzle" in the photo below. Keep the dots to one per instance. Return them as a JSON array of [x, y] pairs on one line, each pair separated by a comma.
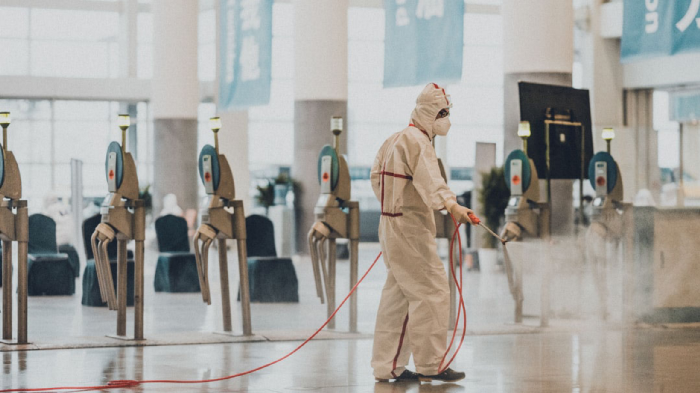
[[475, 220]]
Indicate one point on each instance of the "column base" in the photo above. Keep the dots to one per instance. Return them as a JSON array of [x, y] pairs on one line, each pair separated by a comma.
[[13, 342], [124, 338]]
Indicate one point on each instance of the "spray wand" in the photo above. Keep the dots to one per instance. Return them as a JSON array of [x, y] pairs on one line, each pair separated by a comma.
[[478, 222]]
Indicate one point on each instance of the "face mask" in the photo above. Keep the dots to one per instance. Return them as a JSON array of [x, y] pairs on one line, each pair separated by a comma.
[[442, 126]]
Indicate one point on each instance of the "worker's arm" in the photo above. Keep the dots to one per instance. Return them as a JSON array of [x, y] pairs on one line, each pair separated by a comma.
[[428, 180], [425, 171], [376, 173]]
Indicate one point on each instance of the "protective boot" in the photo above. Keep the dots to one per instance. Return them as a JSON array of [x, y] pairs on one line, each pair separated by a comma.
[[448, 375], [406, 376]]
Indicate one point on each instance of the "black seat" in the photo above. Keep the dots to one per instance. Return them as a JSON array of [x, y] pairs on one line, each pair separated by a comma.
[[91, 288], [176, 270], [72, 257], [48, 272], [271, 279]]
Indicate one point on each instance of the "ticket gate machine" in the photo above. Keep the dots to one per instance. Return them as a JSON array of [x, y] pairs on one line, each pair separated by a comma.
[[14, 227], [337, 217], [526, 217], [607, 218], [222, 219], [123, 219]]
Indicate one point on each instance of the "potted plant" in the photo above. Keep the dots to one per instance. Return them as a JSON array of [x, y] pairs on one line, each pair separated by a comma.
[[266, 196], [282, 184], [147, 197]]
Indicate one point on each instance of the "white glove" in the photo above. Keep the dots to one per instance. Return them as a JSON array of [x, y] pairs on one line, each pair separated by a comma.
[[460, 213]]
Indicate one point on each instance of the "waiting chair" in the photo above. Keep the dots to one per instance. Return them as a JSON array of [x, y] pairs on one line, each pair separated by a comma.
[[91, 287], [72, 257], [176, 270], [271, 279], [48, 272]]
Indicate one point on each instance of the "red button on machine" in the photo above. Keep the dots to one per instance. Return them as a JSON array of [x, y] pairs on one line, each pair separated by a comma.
[[600, 181], [207, 177], [111, 174], [516, 180], [326, 177]]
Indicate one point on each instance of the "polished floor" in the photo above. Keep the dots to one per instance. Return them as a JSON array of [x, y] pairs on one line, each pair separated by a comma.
[[59, 320], [62, 319], [578, 353], [650, 360]]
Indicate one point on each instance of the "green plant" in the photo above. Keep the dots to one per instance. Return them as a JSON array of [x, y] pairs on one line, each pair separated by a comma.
[[266, 195], [283, 178], [493, 197], [147, 197]]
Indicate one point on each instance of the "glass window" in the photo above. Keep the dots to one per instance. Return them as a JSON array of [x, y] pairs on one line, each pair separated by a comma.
[[46, 134], [74, 25], [15, 22], [18, 63]]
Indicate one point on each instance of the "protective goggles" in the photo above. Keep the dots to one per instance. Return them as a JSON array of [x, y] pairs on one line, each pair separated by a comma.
[[447, 98]]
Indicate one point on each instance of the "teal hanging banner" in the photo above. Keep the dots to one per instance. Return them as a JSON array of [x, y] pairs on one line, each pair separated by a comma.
[[246, 53], [654, 28], [424, 42]]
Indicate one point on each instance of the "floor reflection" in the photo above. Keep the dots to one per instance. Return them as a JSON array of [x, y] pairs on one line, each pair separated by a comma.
[[651, 360]]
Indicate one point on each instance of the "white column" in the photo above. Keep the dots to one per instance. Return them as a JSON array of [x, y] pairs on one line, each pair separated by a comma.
[[538, 36], [320, 91], [174, 100], [320, 50], [538, 47], [175, 85], [602, 75]]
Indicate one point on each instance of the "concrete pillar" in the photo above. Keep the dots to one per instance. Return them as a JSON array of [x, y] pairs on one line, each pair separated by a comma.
[[602, 75], [691, 146], [538, 46], [641, 142], [174, 99], [320, 92]]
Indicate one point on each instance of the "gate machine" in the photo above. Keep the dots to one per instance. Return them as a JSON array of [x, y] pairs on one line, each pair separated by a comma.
[[444, 229], [13, 227], [123, 218], [337, 217], [526, 217], [607, 217], [219, 223]]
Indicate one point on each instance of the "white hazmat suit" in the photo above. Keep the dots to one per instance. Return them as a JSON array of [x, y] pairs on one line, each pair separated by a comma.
[[414, 308]]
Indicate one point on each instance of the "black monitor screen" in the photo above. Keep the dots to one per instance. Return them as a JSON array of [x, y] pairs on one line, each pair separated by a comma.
[[539, 102]]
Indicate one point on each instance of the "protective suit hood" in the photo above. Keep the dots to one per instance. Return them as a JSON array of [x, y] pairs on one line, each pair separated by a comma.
[[428, 104]]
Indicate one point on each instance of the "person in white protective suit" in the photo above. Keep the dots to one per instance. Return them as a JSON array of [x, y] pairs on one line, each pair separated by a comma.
[[414, 308]]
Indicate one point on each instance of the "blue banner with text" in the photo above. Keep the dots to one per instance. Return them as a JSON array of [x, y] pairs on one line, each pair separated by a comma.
[[245, 64], [424, 42], [660, 28]]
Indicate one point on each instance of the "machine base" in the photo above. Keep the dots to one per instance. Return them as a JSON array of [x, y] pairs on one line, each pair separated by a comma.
[[124, 338]]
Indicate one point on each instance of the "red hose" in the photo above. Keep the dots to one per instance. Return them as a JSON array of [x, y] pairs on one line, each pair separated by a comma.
[[121, 384], [461, 307]]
